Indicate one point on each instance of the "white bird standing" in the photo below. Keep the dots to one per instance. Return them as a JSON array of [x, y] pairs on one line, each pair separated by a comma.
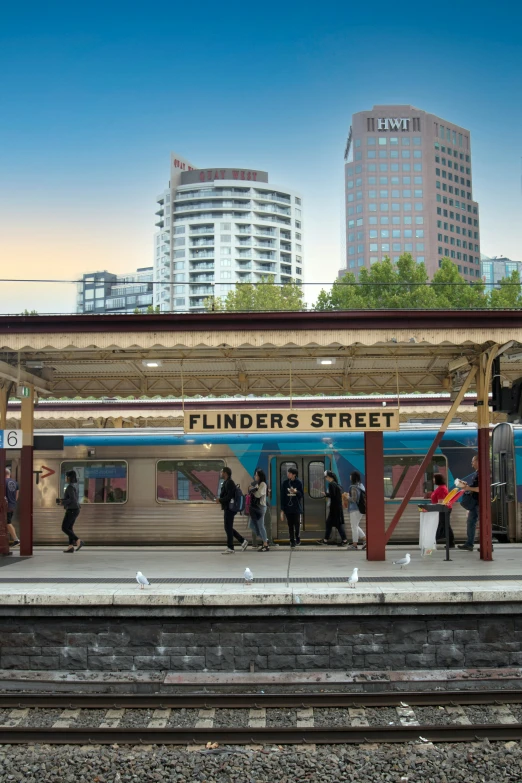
[[354, 578], [403, 562], [141, 580], [249, 576]]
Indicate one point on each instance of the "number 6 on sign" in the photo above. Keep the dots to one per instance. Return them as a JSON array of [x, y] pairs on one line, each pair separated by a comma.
[[11, 439]]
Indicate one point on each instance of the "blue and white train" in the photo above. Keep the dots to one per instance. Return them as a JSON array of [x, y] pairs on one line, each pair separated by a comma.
[[158, 486]]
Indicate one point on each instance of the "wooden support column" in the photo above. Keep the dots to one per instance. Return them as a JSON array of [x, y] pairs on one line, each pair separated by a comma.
[[431, 451], [4, 538], [374, 483], [26, 475]]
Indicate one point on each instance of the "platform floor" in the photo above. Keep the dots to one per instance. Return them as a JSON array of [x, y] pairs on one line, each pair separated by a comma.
[[202, 575]]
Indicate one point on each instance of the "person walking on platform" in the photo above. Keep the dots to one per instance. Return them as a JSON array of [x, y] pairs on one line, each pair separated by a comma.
[[292, 505], [437, 496], [470, 501], [356, 500], [227, 499], [72, 509], [12, 493], [335, 516], [257, 510]]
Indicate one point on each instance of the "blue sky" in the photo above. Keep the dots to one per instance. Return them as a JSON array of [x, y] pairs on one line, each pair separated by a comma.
[[95, 96]]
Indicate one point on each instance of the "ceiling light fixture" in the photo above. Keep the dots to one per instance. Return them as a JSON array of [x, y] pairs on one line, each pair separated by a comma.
[[151, 362], [326, 361]]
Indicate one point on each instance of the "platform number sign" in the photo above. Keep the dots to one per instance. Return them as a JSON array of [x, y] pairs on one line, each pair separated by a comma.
[[10, 439]]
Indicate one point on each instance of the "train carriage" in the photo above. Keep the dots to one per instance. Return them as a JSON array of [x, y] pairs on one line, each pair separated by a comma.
[[158, 486]]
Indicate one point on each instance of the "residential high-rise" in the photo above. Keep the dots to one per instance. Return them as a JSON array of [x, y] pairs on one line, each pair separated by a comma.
[[106, 292], [409, 189], [222, 226]]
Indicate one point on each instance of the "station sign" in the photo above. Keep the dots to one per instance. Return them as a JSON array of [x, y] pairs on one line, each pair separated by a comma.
[[301, 420], [11, 439]]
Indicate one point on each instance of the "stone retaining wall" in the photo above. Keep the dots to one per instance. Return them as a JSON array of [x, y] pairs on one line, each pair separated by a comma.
[[275, 644]]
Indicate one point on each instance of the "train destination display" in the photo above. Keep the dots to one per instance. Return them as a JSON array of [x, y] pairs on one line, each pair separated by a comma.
[[301, 420]]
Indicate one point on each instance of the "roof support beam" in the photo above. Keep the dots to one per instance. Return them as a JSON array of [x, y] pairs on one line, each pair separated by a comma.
[[10, 373]]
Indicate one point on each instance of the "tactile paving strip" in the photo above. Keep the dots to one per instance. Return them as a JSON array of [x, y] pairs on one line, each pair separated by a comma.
[[265, 580]]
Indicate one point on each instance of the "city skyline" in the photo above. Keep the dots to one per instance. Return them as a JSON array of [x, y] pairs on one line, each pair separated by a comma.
[[97, 99]]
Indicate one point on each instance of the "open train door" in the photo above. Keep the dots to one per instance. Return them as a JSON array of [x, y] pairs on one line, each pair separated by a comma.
[[504, 498], [311, 472]]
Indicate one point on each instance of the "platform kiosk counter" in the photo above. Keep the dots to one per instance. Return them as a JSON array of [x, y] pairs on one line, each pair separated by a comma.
[[429, 521]]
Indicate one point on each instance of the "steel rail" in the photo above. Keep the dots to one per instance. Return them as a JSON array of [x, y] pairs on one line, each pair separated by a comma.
[[265, 736], [256, 700]]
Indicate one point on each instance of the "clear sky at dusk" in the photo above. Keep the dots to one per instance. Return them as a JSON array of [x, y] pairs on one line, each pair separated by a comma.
[[94, 96]]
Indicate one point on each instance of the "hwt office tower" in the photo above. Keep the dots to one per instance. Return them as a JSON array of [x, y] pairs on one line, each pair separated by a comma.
[[409, 189]]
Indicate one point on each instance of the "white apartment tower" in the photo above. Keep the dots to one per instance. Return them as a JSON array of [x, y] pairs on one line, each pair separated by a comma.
[[222, 226]]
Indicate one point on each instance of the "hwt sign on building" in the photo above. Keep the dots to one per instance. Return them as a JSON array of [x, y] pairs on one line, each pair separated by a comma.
[[393, 123]]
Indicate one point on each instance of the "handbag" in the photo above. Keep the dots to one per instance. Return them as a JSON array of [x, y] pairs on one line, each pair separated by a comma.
[[468, 501]]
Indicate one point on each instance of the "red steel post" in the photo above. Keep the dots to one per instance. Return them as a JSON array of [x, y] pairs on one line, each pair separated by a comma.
[[26, 475], [4, 538], [374, 482]]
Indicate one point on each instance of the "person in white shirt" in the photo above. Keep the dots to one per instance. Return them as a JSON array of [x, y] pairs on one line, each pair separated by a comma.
[[353, 497], [257, 511]]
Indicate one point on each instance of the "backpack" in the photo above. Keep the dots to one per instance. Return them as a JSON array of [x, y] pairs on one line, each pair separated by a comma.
[[238, 503], [361, 500], [254, 502]]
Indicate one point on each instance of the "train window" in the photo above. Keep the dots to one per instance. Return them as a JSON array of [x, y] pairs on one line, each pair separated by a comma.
[[98, 482], [399, 472], [193, 480], [316, 479], [284, 470]]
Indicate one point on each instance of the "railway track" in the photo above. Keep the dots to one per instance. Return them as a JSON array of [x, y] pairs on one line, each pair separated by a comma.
[[246, 700], [261, 719]]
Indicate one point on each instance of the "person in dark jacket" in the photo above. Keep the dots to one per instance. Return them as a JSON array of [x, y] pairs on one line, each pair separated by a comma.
[[335, 516], [292, 505], [226, 499], [72, 509]]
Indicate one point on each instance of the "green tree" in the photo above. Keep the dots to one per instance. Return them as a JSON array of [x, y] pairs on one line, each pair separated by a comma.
[[509, 295], [344, 295], [265, 296], [150, 309], [453, 292], [30, 312], [385, 285]]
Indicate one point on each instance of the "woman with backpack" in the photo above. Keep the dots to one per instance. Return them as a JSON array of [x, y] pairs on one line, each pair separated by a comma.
[[356, 501], [335, 516], [257, 508]]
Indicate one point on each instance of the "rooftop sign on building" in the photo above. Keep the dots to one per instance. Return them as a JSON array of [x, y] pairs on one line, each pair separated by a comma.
[[393, 123], [209, 175]]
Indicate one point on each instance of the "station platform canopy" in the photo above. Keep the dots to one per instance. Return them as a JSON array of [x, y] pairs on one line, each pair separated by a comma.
[[266, 353]]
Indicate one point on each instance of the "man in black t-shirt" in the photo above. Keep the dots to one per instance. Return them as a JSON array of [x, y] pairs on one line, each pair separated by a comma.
[[292, 505], [472, 486], [11, 495]]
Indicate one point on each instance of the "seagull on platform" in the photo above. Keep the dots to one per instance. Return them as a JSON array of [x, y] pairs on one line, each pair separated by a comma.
[[354, 578], [249, 576], [403, 562], [141, 580]]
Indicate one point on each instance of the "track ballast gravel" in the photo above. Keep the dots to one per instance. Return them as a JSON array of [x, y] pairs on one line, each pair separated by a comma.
[[413, 763]]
